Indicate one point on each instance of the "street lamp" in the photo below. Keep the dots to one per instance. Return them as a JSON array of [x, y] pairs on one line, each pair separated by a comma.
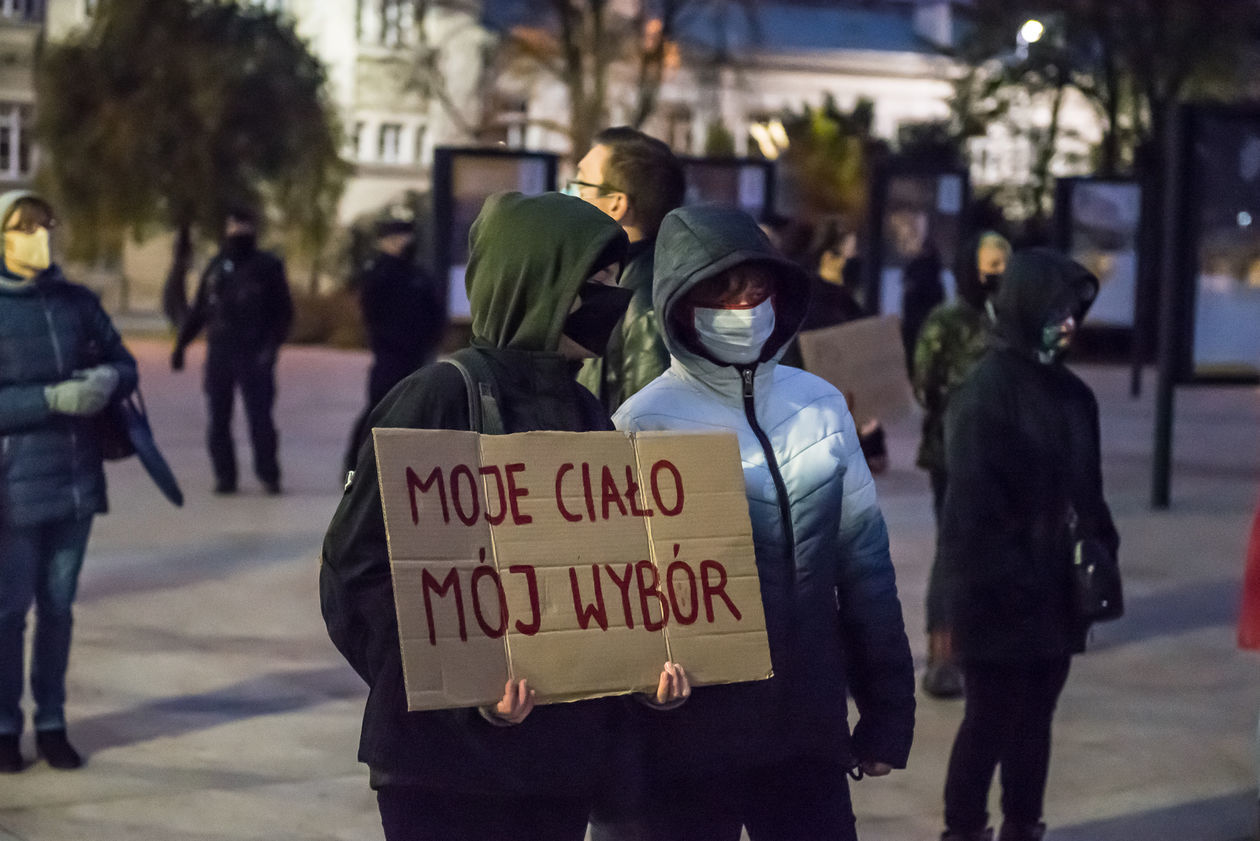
[[1031, 31]]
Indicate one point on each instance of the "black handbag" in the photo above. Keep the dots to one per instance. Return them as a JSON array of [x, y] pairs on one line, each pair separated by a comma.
[[1097, 595], [113, 426], [124, 431]]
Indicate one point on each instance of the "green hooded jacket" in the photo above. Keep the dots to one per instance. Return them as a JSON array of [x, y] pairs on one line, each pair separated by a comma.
[[529, 259]]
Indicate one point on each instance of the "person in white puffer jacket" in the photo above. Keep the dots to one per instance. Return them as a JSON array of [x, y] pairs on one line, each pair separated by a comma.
[[772, 755]]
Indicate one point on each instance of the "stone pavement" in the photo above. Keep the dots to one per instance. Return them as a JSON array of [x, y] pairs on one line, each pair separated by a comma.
[[212, 705]]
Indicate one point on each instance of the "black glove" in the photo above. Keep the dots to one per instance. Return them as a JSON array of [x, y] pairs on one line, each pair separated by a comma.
[[177, 359]]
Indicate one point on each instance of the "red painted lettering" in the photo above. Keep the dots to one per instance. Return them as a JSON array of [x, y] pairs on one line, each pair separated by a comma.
[[531, 581], [429, 584], [687, 599], [593, 611], [716, 588], [515, 493], [652, 590], [623, 584], [492, 631], [610, 493], [456, 497], [415, 483], [678, 488], [495, 519], [586, 488], [564, 512], [632, 494]]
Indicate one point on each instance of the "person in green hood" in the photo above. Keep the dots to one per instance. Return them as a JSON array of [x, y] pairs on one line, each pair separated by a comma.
[[541, 282], [61, 360]]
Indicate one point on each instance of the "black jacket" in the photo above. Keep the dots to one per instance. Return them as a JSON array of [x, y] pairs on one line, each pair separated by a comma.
[[529, 257], [1022, 453], [403, 318], [242, 303]]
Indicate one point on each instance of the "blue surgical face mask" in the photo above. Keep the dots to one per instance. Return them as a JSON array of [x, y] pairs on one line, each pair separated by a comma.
[[735, 336]]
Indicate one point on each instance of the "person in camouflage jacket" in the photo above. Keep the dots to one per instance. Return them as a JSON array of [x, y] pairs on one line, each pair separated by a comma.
[[952, 340]]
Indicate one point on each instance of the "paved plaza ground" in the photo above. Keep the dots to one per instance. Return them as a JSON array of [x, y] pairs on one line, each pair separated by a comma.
[[212, 706]]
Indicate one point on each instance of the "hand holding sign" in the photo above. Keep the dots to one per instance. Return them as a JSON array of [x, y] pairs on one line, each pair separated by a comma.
[[518, 702]]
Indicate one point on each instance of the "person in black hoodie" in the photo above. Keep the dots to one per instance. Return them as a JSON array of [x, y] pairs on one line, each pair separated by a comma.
[[537, 283], [1025, 482], [244, 306], [402, 314]]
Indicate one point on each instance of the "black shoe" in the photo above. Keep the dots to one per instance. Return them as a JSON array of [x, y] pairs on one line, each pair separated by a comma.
[[943, 680], [272, 488], [56, 748], [10, 755], [1022, 832], [223, 488]]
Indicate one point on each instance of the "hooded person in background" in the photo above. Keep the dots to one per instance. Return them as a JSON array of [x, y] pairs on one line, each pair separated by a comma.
[[541, 283], [1025, 483], [951, 342], [244, 306], [636, 180], [61, 360], [402, 314], [772, 755]]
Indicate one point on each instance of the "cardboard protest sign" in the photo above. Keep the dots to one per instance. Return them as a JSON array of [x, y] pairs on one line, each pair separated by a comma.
[[580, 561], [865, 360]]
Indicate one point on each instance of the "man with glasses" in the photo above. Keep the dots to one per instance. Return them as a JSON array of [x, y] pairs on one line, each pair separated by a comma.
[[636, 180]]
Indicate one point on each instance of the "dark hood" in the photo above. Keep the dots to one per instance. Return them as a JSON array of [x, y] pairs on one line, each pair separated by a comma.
[[528, 258], [697, 242], [1038, 282], [967, 281]]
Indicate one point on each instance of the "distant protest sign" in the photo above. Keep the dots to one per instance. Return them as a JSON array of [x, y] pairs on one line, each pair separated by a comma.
[[865, 360], [579, 561]]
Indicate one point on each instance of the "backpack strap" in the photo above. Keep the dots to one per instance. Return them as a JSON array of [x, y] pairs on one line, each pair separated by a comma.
[[483, 406]]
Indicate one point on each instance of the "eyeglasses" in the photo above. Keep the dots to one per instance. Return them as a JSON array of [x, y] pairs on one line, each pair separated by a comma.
[[574, 187]]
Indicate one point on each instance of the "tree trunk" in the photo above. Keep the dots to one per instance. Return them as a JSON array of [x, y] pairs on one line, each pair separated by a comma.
[[175, 289]]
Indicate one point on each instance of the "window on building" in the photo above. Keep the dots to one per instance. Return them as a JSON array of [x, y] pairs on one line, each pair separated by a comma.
[[678, 120], [15, 141], [389, 23], [389, 147], [355, 141], [418, 151], [29, 10]]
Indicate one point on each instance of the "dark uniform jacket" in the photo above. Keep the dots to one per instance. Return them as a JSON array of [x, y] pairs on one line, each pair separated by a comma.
[[1022, 445], [529, 258], [242, 303], [403, 318], [50, 469]]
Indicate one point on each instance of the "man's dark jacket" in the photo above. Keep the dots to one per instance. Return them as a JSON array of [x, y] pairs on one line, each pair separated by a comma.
[[242, 303], [403, 318], [636, 354], [529, 258], [1022, 451], [51, 466]]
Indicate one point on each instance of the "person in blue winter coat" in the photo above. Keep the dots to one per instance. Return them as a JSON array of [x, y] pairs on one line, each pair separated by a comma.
[[772, 756], [61, 360]]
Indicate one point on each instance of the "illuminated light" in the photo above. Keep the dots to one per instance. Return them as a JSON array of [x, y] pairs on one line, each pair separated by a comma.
[[1032, 31], [765, 142], [779, 134], [1244, 219]]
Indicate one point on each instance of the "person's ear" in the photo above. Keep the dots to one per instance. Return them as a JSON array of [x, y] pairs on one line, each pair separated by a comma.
[[619, 207]]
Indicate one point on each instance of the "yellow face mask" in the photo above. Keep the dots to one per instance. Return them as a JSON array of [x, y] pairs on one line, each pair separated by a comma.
[[27, 254]]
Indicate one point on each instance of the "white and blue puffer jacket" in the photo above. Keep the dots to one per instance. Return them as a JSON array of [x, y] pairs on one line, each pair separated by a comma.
[[827, 581]]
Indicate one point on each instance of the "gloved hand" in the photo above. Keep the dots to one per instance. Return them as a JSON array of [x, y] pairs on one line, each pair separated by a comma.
[[177, 359], [86, 393]]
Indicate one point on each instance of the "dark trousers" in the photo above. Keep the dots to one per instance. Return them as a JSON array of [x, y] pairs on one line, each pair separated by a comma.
[[800, 800], [938, 588], [1006, 722], [253, 371], [412, 813], [38, 564]]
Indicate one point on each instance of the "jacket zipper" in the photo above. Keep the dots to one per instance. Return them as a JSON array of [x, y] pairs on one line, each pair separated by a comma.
[[74, 438], [780, 487]]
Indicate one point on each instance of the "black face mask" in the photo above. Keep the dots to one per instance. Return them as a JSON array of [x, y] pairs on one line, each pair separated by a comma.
[[240, 245], [991, 283], [599, 310]]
